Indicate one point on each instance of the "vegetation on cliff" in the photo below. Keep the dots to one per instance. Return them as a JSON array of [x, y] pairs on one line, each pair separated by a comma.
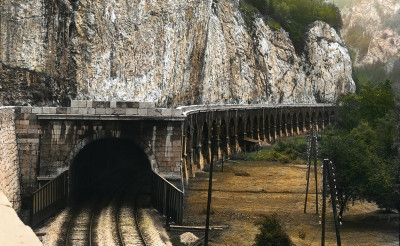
[[292, 15], [363, 146]]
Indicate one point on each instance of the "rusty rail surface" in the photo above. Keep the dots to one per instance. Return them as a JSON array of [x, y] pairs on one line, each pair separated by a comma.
[[167, 199], [49, 199]]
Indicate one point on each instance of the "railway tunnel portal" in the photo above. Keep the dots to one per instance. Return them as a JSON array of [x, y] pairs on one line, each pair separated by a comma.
[[104, 165]]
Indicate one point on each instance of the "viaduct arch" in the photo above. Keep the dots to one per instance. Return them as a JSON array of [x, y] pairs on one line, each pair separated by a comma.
[[264, 124]]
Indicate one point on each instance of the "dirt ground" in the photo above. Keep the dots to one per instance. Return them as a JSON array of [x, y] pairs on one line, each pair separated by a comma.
[[246, 190]]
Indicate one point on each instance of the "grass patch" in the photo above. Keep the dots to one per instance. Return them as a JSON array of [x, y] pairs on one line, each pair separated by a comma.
[[285, 151], [241, 173], [204, 211]]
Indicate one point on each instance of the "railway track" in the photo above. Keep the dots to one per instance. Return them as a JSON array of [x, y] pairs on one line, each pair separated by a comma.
[[80, 226], [129, 232], [110, 221]]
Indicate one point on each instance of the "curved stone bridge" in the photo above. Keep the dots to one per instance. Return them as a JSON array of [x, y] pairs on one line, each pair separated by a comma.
[[226, 129], [177, 142], [95, 140]]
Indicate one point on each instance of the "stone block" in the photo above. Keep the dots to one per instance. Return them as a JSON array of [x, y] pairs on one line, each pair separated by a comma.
[[26, 109], [61, 110], [113, 104], [74, 110], [154, 112], [19, 117], [147, 105], [49, 110], [127, 104], [100, 104], [91, 111], [78, 104], [142, 112], [166, 112], [177, 148], [132, 111], [82, 110], [100, 111], [176, 113], [37, 110], [23, 122], [115, 111], [109, 111], [89, 104]]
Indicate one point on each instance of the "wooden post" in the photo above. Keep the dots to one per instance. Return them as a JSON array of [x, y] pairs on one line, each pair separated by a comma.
[[209, 201], [323, 201], [333, 198], [315, 170], [308, 174]]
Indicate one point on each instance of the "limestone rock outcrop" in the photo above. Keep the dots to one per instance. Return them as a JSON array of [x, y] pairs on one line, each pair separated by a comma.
[[376, 26], [170, 52]]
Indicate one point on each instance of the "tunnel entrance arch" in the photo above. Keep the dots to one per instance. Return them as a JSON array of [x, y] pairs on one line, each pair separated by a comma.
[[103, 165]]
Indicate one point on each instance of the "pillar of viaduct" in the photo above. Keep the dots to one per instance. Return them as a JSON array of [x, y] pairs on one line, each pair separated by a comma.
[[223, 130]]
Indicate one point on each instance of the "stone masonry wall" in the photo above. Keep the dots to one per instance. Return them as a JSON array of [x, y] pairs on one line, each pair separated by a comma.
[[47, 147], [9, 169]]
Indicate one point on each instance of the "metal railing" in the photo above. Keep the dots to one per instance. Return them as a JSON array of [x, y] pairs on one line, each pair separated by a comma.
[[167, 199], [49, 199]]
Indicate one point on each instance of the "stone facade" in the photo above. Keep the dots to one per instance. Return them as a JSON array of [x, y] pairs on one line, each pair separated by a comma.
[[9, 164], [49, 138]]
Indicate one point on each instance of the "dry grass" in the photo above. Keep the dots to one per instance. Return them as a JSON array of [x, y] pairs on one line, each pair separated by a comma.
[[239, 201]]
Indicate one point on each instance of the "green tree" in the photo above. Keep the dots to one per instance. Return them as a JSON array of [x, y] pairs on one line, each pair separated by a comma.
[[363, 146]]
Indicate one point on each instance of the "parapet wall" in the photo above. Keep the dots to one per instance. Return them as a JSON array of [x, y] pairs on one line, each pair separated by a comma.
[[9, 162]]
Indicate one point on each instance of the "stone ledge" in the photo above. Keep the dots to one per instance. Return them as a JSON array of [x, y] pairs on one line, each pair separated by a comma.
[[108, 117], [111, 104]]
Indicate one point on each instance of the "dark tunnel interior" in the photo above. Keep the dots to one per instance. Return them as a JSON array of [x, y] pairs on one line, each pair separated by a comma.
[[103, 166]]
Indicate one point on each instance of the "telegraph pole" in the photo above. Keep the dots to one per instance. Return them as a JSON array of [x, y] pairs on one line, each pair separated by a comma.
[[209, 199], [315, 170], [308, 170], [323, 200]]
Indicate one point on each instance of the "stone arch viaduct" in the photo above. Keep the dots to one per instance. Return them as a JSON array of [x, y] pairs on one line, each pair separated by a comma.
[[178, 142]]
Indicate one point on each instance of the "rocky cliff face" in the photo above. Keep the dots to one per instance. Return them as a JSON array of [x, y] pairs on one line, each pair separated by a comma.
[[376, 23], [171, 52]]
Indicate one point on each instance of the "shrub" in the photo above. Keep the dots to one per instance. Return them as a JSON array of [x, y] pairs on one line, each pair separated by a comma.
[[242, 173], [271, 233], [285, 151], [293, 15], [284, 159], [249, 13]]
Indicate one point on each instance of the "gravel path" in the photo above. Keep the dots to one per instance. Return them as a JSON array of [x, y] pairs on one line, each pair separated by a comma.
[[53, 228], [152, 227]]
